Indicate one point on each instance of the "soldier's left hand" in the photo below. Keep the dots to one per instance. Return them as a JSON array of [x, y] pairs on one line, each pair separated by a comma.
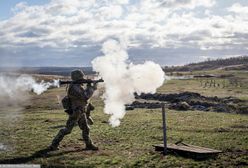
[[94, 86]]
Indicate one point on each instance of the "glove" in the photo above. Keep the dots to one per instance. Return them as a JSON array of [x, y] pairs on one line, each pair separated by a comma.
[[94, 86]]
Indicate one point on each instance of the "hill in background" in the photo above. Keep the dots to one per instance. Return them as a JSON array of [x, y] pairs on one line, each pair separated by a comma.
[[233, 63], [63, 71]]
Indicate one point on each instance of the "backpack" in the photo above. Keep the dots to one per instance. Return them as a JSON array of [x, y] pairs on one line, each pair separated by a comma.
[[66, 103]]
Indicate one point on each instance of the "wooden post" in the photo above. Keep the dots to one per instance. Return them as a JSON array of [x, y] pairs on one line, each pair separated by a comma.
[[164, 129]]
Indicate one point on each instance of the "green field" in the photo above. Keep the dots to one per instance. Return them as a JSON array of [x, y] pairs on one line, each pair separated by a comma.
[[130, 144]]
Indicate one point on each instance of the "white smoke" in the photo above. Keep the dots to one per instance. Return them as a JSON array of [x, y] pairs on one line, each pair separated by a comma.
[[14, 90], [122, 79]]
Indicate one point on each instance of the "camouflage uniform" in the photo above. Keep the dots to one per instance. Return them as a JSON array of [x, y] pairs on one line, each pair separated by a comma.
[[89, 108], [79, 100]]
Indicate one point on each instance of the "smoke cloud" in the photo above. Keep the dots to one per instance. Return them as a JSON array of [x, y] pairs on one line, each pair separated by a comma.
[[15, 90], [122, 78]]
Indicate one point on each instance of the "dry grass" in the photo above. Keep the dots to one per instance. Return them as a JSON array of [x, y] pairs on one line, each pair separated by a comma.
[[129, 145]]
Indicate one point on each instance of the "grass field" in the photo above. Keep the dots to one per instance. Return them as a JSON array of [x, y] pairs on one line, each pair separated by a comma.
[[130, 145]]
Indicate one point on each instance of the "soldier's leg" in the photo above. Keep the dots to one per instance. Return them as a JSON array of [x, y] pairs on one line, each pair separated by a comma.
[[72, 120], [83, 124]]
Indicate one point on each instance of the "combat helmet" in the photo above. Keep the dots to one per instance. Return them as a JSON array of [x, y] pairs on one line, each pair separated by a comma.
[[77, 75]]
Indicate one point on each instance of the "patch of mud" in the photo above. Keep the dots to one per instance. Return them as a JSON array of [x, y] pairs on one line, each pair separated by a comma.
[[240, 126], [238, 151], [148, 105], [222, 130], [191, 101], [238, 155]]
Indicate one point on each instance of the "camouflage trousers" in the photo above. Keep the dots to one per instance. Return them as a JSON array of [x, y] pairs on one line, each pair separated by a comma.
[[78, 116]]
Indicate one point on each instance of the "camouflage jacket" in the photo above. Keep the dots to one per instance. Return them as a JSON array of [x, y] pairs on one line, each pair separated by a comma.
[[79, 95]]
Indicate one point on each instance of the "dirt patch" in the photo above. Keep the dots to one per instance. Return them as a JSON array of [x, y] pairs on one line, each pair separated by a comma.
[[238, 155], [148, 105], [222, 129], [240, 126], [191, 101]]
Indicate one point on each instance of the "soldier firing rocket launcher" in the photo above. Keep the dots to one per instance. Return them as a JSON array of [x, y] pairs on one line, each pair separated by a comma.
[[81, 81]]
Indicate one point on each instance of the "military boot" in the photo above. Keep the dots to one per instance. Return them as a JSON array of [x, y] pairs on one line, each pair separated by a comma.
[[90, 146], [52, 147]]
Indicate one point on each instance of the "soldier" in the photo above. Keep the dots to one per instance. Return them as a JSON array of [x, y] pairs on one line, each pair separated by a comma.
[[80, 112]]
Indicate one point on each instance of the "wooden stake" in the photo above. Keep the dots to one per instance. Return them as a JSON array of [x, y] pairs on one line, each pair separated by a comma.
[[164, 129]]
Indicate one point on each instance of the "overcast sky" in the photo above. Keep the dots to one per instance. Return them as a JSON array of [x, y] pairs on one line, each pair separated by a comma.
[[169, 32]]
